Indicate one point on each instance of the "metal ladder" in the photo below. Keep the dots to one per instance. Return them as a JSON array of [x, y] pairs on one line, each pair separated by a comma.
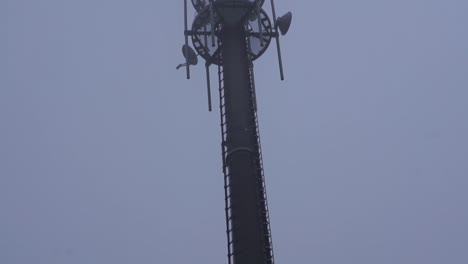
[[261, 186], [227, 193]]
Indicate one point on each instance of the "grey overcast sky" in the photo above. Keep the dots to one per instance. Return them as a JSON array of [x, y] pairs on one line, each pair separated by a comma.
[[109, 155]]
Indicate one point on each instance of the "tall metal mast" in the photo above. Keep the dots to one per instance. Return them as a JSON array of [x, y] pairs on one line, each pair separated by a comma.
[[232, 34]]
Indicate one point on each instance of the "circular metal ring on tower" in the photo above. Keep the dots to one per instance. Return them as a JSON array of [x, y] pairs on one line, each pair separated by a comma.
[[203, 42], [236, 1], [259, 34], [200, 4], [259, 38]]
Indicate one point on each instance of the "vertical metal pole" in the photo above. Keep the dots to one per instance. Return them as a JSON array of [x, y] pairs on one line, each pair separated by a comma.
[[208, 87], [278, 47], [212, 23], [205, 37], [186, 39], [273, 10], [259, 9], [280, 60]]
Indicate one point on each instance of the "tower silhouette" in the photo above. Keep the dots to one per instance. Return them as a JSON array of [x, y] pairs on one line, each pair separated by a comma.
[[232, 34]]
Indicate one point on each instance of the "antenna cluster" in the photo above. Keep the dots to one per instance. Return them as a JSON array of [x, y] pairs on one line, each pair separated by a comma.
[[212, 15]]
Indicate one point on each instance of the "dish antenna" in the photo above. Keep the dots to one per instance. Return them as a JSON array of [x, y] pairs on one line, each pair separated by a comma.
[[284, 22], [190, 57]]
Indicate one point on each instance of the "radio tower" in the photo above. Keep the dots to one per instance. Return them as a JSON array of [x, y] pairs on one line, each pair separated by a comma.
[[231, 34]]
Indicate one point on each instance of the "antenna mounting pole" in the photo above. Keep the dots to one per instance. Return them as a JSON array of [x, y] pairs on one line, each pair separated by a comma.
[[186, 39], [208, 87], [278, 47]]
